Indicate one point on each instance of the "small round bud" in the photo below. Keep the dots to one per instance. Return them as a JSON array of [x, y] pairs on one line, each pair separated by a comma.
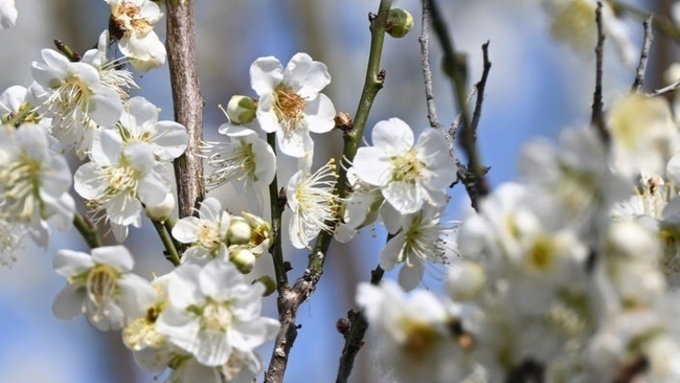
[[241, 109], [162, 211], [243, 259], [269, 285], [466, 280], [399, 23], [239, 231]]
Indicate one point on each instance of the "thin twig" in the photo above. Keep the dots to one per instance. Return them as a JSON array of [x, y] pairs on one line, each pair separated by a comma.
[[187, 100], [667, 89], [354, 338], [644, 56], [597, 117], [424, 41], [480, 86], [290, 298], [455, 67], [275, 202]]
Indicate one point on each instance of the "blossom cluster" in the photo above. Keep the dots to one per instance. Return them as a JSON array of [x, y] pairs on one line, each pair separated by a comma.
[[570, 274]]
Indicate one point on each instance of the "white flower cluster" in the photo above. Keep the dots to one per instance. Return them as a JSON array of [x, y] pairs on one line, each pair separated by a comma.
[[570, 276], [204, 322]]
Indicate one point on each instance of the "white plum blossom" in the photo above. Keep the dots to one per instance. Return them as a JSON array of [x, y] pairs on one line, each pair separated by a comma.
[[133, 22], [408, 174], [244, 158], [34, 182], [16, 102], [290, 103], [75, 98], [139, 123], [8, 14], [422, 239], [573, 21], [214, 315], [206, 233], [312, 203], [102, 286], [643, 134], [111, 74], [359, 209], [120, 177], [417, 340]]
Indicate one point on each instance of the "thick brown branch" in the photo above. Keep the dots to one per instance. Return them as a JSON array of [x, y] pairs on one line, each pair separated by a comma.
[[188, 102]]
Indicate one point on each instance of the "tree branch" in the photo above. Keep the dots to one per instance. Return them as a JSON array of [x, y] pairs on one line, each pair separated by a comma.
[[354, 338], [597, 117], [187, 100], [455, 67], [290, 298], [644, 56]]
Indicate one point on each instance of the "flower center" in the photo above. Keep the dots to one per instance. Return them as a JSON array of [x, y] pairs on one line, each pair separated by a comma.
[[420, 338], [408, 167], [216, 316], [70, 98], [101, 284], [288, 107], [21, 184], [127, 19]]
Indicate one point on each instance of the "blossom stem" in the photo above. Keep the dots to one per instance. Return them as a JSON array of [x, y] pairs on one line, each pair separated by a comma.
[[170, 249], [187, 100], [290, 298], [89, 234], [276, 210]]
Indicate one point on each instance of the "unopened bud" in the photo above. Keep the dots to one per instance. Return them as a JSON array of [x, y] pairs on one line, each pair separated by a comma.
[[162, 211], [243, 259], [239, 231], [260, 238], [269, 285], [399, 23], [241, 109]]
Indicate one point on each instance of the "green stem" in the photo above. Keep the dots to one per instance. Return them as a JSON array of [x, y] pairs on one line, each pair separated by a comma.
[[164, 231], [86, 230], [277, 210], [372, 84]]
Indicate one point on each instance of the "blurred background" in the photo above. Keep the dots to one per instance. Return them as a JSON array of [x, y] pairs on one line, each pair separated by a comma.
[[537, 86]]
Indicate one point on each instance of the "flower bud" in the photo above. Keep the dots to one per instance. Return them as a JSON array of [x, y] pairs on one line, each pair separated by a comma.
[[162, 211], [260, 238], [241, 109], [466, 280], [239, 231], [243, 259], [269, 285], [399, 23]]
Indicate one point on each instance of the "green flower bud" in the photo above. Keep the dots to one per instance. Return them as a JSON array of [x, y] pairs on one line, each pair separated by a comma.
[[399, 23], [243, 259], [241, 109], [269, 285], [239, 231]]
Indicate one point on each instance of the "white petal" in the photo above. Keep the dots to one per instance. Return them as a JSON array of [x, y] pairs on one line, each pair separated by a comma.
[[306, 77], [265, 74], [371, 166], [403, 196], [117, 256], [105, 107], [411, 275], [185, 229], [320, 114], [389, 256], [69, 303], [172, 138], [217, 278], [393, 136], [68, 262]]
